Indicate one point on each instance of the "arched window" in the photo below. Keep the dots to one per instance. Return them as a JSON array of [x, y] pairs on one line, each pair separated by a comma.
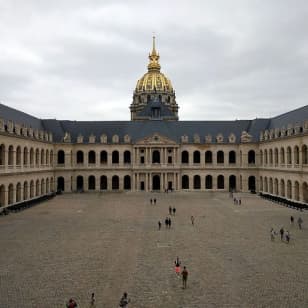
[[197, 182], [104, 157], [115, 182], [18, 156], [79, 183], [127, 182], [47, 186], [104, 184], [251, 157], [47, 157], [261, 183], [51, 158], [296, 155], [220, 182], [289, 156], [2, 195], [296, 191], [276, 190], [91, 182], [270, 156], [276, 156], [252, 183], [282, 188], [115, 157], [31, 157], [265, 157], [37, 188], [18, 192], [2, 155], [25, 197], [185, 182], [282, 156], [11, 155], [42, 157], [11, 194], [232, 182], [208, 182], [60, 183], [261, 157], [265, 184], [208, 157], [79, 157], [232, 157], [91, 157], [31, 189], [289, 189], [37, 157], [127, 159], [61, 157], [270, 185], [42, 187], [156, 157], [305, 192], [185, 157], [220, 157], [196, 157], [304, 154]]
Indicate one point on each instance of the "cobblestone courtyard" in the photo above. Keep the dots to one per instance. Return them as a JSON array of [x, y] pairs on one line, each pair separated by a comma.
[[109, 243]]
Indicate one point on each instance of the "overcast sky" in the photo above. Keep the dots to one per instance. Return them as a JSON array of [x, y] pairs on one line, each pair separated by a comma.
[[80, 60]]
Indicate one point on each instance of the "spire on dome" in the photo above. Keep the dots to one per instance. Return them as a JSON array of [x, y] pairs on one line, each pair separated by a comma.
[[154, 58]]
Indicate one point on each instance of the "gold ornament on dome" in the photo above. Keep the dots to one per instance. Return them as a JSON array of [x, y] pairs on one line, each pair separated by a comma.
[[154, 80]]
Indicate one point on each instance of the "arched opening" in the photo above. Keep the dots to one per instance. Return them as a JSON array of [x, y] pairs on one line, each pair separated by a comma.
[[79, 157], [127, 182], [47, 186], [37, 188], [51, 158], [11, 155], [282, 188], [37, 157], [61, 157], [115, 157], [197, 182], [18, 192], [261, 183], [289, 156], [270, 156], [156, 182], [208, 157], [79, 183], [91, 182], [276, 157], [220, 182], [11, 194], [270, 185], [305, 192], [184, 157], [42, 157], [282, 156], [103, 182], [25, 197], [127, 157], [31, 189], [91, 157], [232, 183], [31, 157], [2, 195], [296, 191], [42, 187], [289, 189], [52, 188], [296, 155], [209, 182], [251, 157], [261, 158], [185, 182], [104, 157], [220, 157], [232, 157], [2, 155], [305, 154], [196, 157], [265, 184], [276, 191], [60, 183], [18, 156], [156, 157], [252, 183], [115, 182], [26, 160], [47, 157]]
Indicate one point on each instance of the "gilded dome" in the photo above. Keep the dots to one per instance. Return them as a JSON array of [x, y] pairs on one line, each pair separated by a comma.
[[154, 80]]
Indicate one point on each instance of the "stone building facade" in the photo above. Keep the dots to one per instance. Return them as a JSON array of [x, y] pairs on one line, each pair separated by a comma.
[[154, 151]]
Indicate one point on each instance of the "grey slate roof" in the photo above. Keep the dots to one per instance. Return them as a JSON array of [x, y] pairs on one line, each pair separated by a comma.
[[140, 129]]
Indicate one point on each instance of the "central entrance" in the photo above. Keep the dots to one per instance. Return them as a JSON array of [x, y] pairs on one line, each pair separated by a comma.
[[156, 182]]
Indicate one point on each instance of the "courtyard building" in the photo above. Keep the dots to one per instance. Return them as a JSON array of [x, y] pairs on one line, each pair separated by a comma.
[[154, 151]]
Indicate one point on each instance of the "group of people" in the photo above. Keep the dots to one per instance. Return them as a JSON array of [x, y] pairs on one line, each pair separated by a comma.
[[285, 234], [153, 201], [172, 210], [184, 272]]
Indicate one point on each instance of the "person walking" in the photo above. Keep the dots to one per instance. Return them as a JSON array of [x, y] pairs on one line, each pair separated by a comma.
[[170, 210], [192, 218], [273, 234], [154, 201], [166, 222], [281, 231], [124, 300], [177, 264], [159, 225], [92, 302], [174, 210], [184, 277], [300, 221], [169, 222], [292, 220], [287, 235]]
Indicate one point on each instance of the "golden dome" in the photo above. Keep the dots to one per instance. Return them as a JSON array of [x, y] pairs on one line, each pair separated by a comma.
[[154, 80]]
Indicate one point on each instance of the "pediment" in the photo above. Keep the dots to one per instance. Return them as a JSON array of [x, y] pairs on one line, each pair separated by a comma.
[[156, 139]]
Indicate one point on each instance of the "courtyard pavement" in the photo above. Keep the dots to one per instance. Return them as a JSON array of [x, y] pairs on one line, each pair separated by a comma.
[[109, 243]]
